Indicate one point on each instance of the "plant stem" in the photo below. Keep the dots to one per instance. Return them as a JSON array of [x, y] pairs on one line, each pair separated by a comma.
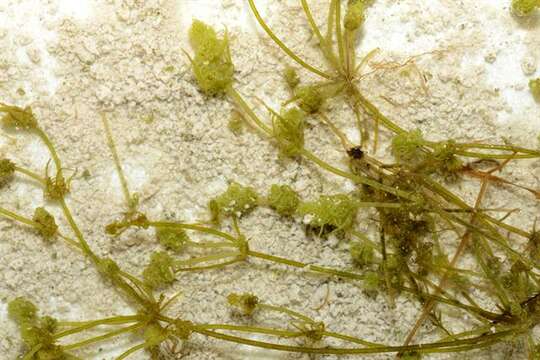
[[81, 326], [131, 351], [103, 337], [283, 47]]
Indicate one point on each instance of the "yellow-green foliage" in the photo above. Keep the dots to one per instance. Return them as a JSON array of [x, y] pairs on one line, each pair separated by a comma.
[[524, 7], [407, 147], [108, 267], [46, 224], [22, 311], [283, 199], [310, 98], [36, 331], [246, 303], [291, 77], [330, 212], [372, 281], [362, 254], [182, 329], [444, 162], [7, 169], [236, 123], [159, 272], [56, 188], [154, 334], [172, 239], [212, 64], [354, 16], [16, 117], [236, 200], [289, 131], [534, 85]]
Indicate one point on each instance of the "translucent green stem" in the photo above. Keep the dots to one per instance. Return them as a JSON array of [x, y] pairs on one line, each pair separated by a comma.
[[283, 47], [103, 337]]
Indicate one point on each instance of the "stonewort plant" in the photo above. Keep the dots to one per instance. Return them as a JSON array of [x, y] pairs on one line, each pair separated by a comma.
[[409, 200]]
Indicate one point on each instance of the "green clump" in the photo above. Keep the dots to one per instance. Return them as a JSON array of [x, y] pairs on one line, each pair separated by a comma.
[[291, 77], [7, 169], [183, 329], [212, 64], [159, 272], [330, 213], [236, 200], [247, 303], [372, 282], [108, 267], [36, 331], [524, 7], [56, 188], [46, 225], [534, 85], [16, 117], [354, 16], [445, 162], [172, 239], [154, 334], [236, 123], [314, 330], [283, 199], [22, 311], [362, 254], [310, 98], [289, 131], [406, 228], [407, 147]]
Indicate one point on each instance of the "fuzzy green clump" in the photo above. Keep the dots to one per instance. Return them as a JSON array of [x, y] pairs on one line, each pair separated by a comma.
[[212, 64], [355, 15], [362, 254], [291, 77], [16, 117], [154, 334], [310, 99], [444, 161], [159, 272], [236, 123], [524, 7], [172, 239], [407, 147], [36, 331], [56, 188], [406, 227], [372, 282], [246, 303], [7, 170], [534, 86], [330, 212], [289, 131], [236, 200], [46, 224], [22, 311], [313, 330], [108, 267], [183, 329], [283, 199]]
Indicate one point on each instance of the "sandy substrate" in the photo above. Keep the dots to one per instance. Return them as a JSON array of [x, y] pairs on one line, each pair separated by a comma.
[[124, 58]]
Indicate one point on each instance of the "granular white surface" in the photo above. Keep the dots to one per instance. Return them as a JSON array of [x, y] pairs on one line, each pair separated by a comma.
[[72, 60]]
